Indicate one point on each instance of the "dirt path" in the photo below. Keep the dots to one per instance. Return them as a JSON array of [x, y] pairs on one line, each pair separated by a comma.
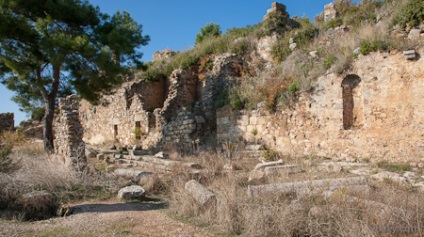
[[105, 219]]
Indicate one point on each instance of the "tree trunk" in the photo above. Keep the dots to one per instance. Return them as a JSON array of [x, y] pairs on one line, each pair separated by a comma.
[[48, 127], [49, 103]]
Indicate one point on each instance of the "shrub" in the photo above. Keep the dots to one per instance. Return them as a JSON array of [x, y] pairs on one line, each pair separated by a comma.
[[411, 14], [367, 46], [294, 87], [240, 47], [210, 30], [338, 21], [280, 50], [329, 60], [241, 32], [304, 37], [394, 167]]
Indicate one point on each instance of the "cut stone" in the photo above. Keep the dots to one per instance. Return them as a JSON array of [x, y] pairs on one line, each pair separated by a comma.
[[200, 194], [131, 192]]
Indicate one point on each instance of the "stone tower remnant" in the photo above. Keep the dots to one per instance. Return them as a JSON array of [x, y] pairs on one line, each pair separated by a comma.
[[329, 12], [68, 144]]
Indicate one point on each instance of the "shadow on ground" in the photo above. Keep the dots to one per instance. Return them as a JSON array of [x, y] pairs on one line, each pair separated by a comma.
[[150, 204]]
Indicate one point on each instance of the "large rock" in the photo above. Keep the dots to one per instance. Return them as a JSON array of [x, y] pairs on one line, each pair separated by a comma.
[[259, 171], [202, 195], [131, 192]]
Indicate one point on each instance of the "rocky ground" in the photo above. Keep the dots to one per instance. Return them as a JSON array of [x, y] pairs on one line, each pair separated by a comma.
[[106, 219]]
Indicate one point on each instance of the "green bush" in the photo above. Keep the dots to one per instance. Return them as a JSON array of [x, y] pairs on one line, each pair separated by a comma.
[[294, 87], [412, 13], [241, 32], [338, 21], [304, 37], [329, 60], [280, 50], [367, 46], [210, 30], [241, 47], [393, 167]]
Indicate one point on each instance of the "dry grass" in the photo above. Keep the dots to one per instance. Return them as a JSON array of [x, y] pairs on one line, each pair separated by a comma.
[[38, 171], [386, 210]]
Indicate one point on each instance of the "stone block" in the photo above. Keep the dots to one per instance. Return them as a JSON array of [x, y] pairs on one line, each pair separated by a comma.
[[131, 192], [243, 120], [282, 170], [410, 54], [253, 120], [223, 120], [200, 194]]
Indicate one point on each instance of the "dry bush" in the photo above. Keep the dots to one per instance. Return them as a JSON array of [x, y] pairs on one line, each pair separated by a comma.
[[152, 184]]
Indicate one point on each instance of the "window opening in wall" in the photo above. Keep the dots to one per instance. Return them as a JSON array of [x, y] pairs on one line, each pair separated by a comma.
[[115, 131], [137, 130], [352, 102]]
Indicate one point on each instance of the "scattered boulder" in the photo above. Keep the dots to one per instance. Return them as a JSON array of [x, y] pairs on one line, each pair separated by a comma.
[[161, 155], [200, 194], [414, 34], [313, 54], [100, 156], [134, 174], [293, 46], [410, 54], [131, 192], [259, 171], [112, 147], [357, 51]]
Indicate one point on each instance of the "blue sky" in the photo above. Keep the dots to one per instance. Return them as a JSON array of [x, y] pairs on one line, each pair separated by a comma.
[[174, 24]]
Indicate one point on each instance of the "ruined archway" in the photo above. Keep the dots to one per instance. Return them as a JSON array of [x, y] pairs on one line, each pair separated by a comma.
[[352, 102]]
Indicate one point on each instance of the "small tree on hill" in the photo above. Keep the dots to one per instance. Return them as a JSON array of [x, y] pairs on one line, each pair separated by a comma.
[[210, 30], [50, 48]]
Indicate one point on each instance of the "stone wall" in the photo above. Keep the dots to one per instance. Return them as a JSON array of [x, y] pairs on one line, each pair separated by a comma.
[[375, 111], [68, 144], [275, 7], [163, 55], [7, 122], [127, 116], [329, 12]]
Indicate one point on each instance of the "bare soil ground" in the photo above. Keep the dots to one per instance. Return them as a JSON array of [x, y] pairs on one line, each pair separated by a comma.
[[105, 219]]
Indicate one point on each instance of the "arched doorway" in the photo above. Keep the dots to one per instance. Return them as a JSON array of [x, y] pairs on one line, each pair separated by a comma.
[[352, 102]]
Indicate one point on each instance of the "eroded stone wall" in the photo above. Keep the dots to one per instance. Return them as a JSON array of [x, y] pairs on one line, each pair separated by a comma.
[[68, 144], [128, 116], [387, 115], [7, 122]]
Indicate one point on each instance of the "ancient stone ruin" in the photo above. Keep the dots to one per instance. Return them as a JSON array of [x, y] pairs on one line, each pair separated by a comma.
[[329, 12], [362, 114], [7, 122], [68, 143], [275, 7], [163, 55]]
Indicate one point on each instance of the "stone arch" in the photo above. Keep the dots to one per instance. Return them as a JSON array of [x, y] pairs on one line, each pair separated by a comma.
[[353, 115]]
